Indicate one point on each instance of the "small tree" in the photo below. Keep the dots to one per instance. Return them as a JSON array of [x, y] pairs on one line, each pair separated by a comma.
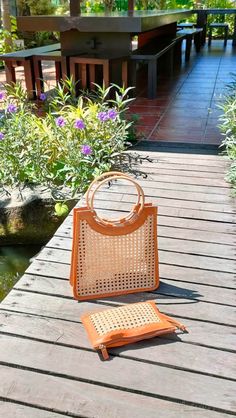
[[35, 7], [6, 20]]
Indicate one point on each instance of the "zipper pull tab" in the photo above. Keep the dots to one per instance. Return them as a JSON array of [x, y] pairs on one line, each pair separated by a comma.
[[176, 323], [104, 351]]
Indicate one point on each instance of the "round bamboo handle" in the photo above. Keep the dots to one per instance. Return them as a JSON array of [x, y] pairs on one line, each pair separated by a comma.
[[108, 175], [137, 208]]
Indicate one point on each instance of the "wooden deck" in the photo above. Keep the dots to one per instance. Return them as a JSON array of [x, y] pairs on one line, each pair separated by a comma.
[[48, 368]]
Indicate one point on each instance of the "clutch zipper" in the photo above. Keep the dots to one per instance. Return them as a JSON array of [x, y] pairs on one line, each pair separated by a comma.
[[104, 346], [104, 351]]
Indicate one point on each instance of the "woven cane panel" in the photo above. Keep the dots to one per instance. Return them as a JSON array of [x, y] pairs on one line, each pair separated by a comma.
[[124, 318], [109, 264]]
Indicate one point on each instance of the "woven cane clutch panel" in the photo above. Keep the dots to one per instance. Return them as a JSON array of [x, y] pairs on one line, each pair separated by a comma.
[[124, 318], [115, 327], [118, 263]]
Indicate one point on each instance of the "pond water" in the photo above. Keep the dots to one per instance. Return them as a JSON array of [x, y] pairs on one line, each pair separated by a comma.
[[13, 262]]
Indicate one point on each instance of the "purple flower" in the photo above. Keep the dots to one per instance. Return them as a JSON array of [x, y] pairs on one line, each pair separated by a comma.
[[1, 136], [2, 95], [103, 116], [60, 121], [112, 113], [86, 149], [11, 108], [79, 124], [43, 97]]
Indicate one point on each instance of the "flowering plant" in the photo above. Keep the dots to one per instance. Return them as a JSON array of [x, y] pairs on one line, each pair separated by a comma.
[[65, 149]]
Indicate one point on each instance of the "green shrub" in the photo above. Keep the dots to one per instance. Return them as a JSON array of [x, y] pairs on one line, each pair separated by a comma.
[[228, 129], [5, 35], [74, 141]]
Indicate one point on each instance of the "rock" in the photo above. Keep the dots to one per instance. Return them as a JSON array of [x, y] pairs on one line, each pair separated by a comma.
[[27, 216]]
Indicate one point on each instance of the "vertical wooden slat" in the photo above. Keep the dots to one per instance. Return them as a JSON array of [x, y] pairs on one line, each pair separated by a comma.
[[83, 76], [130, 5], [91, 75], [10, 72], [106, 73], [125, 73], [75, 8], [29, 77]]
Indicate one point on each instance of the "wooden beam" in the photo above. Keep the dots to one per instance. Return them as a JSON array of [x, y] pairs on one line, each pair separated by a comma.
[[130, 5], [75, 8]]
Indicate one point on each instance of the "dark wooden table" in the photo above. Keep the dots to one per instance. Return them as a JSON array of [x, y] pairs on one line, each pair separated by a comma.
[[202, 15], [104, 32]]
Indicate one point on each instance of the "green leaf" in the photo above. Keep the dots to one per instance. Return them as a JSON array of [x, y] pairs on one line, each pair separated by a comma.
[[61, 209]]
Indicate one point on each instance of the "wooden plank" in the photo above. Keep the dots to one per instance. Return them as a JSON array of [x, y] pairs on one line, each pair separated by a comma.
[[200, 236], [204, 155], [64, 307], [195, 291], [14, 410], [160, 350], [184, 157], [203, 170], [200, 262], [180, 170], [168, 244], [191, 224], [175, 178], [149, 160], [45, 284], [198, 248], [188, 274], [198, 224], [201, 333], [181, 166], [65, 230], [179, 273], [171, 211], [166, 257], [50, 269], [153, 380], [150, 186], [80, 399], [187, 204]]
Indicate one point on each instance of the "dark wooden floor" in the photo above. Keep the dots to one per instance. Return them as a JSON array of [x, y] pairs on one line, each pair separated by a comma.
[[48, 368], [186, 109]]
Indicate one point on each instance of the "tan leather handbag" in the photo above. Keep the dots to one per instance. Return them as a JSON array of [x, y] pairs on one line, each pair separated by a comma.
[[116, 327], [114, 257]]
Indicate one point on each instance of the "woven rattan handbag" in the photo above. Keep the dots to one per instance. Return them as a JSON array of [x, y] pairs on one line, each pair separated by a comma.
[[127, 324], [114, 257]]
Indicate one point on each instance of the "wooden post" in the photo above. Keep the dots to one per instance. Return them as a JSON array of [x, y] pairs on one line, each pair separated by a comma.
[[234, 34], [130, 5], [75, 8]]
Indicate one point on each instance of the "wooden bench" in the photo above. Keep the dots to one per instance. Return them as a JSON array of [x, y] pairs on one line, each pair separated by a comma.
[[25, 58], [61, 67], [191, 35], [224, 26], [151, 53], [186, 25], [84, 67]]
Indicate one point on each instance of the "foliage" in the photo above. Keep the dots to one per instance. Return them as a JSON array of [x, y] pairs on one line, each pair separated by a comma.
[[122, 5], [35, 7], [228, 129], [76, 140], [42, 38], [4, 35]]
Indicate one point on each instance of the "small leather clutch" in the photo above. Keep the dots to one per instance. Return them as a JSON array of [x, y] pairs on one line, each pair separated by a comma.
[[127, 324]]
